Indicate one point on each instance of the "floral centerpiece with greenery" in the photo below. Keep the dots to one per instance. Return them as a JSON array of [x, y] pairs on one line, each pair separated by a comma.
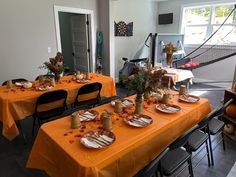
[[169, 49], [55, 65]]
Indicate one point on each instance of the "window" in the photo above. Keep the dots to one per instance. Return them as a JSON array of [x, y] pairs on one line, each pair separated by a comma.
[[199, 22]]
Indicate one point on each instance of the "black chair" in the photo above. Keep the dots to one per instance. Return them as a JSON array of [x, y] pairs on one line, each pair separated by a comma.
[[207, 127], [177, 156], [216, 126], [197, 139], [152, 167], [89, 94], [15, 80], [49, 106], [49, 76], [106, 100]]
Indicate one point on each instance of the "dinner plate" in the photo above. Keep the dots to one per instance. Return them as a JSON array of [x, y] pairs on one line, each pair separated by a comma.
[[138, 120], [82, 81], [86, 115], [168, 108], [189, 98], [43, 88], [125, 103], [19, 84], [97, 139]]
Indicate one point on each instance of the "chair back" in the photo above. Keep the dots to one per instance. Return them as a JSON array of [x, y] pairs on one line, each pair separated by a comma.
[[89, 94], [51, 104], [15, 80], [215, 113], [183, 139]]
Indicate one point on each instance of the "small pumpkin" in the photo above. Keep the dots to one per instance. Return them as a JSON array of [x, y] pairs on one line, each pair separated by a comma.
[[231, 111], [229, 128]]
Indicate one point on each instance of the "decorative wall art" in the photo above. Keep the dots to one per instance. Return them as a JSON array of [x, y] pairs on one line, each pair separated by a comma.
[[123, 29]]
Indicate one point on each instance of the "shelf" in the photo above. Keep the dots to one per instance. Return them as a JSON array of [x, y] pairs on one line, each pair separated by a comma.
[[231, 136], [230, 119]]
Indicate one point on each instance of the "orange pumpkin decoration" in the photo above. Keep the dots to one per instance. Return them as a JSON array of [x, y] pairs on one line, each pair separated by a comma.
[[231, 111]]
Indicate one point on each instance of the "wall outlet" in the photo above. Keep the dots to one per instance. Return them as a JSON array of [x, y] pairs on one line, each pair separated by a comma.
[[49, 49]]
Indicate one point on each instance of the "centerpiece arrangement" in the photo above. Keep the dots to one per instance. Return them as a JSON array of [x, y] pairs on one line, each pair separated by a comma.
[[145, 81], [55, 66], [169, 49]]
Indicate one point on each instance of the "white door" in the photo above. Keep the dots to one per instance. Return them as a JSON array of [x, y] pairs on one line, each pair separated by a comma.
[[80, 42]]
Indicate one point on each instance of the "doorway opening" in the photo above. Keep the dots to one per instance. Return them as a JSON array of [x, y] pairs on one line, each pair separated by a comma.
[[75, 37]]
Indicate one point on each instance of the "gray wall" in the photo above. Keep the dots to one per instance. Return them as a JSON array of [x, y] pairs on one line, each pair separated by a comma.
[[66, 38], [219, 71], [143, 15], [27, 30], [104, 27]]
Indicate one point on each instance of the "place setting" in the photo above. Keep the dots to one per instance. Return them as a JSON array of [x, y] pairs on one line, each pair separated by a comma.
[[82, 78], [168, 108], [138, 120], [124, 103], [185, 97], [97, 139]]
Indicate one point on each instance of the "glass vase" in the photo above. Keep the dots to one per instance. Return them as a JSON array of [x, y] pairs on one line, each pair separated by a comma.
[[169, 59]]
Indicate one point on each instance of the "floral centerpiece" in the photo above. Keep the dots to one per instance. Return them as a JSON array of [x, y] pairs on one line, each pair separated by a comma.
[[55, 65], [169, 49]]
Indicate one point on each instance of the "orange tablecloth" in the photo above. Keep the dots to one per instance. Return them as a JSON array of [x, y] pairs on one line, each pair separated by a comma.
[[57, 149], [17, 103]]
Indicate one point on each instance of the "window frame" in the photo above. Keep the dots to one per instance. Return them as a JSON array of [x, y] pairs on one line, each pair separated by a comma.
[[210, 25]]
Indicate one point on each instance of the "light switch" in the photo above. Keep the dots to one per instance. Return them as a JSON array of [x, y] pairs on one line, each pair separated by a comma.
[[49, 49]]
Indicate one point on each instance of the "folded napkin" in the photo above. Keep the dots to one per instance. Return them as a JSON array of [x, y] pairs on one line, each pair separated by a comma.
[[92, 144], [87, 116]]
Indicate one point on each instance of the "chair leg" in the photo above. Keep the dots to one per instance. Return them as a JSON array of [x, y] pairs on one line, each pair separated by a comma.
[[208, 154], [21, 132], [211, 151], [33, 126], [190, 167], [160, 170], [223, 140]]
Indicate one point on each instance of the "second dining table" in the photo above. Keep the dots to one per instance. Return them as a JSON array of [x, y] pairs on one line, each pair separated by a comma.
[[58, 150], [17, 103]]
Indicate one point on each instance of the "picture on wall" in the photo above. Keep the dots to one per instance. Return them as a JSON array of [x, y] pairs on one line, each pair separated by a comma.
[[123, 29]]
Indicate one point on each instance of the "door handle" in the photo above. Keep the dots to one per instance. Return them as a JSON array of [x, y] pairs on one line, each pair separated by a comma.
[[73, 54]]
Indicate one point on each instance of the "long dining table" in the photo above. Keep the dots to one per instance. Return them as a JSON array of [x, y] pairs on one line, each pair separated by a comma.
[[58, 150], [17, 103]]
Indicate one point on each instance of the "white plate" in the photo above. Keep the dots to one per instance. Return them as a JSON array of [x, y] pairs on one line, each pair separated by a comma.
[[19, 84], [86, 115], [82, 81], [139, 120], [43, 88], [97, 139], [125, 103], [168, 108], [189, 98]]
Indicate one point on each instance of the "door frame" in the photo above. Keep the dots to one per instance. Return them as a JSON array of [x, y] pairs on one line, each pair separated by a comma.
[[92, 39]]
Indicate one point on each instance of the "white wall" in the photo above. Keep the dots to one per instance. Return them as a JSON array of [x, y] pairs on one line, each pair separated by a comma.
[[143, 15], [27, 30], [211, 72]]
